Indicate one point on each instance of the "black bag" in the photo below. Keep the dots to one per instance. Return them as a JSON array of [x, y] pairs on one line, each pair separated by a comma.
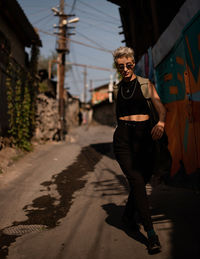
[[162, 156]]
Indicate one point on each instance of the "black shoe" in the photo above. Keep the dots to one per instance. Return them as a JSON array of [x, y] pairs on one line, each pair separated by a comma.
[[130, 224], [153, 244]]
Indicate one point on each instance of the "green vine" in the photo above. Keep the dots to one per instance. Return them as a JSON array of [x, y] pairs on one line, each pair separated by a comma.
[[21, 96]]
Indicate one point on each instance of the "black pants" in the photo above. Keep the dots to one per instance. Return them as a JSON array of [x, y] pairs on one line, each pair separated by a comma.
[[133, 148]]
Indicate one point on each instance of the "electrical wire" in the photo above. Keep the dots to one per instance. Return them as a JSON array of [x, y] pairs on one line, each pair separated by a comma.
[[103, 79], [90, 40], [41, 19], [90, 46], [94, 17], [97, 10], [75, 80], [97, 26], [100, 21], [76, 42], [74, 58], [77, 72], [73, 53], [48, 22], [38, 11], [73, 6]]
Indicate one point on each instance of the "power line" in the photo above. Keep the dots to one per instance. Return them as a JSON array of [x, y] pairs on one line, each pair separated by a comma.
[[102, 79], [94, 16], [97, 10], [77, 73], [89, 39], [90, 66], [74, 57], [75, 81], [46, 23], [97, 26], [41, 19], [38, 11], [73, 6], [77, 42]]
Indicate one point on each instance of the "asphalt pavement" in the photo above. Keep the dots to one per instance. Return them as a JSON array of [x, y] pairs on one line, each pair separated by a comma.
[[65, 201]]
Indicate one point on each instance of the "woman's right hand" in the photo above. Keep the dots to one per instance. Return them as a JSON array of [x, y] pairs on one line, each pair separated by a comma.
[[158, 130]]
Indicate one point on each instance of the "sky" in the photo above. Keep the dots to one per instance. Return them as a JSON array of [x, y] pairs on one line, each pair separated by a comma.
[[98, 27]]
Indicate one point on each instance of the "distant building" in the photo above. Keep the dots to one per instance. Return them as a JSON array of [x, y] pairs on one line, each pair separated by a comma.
[[103, 109], [99, 94]]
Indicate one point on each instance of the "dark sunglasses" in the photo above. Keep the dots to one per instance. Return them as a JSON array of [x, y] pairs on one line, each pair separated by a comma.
[[122, 66]]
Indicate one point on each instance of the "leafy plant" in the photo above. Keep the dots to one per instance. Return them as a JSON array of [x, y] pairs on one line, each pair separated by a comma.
[[21, 97]]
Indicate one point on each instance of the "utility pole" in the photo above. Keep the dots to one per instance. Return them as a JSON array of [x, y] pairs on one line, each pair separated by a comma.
[[85, 85], [62, 49], [91, 88], [110, 89]]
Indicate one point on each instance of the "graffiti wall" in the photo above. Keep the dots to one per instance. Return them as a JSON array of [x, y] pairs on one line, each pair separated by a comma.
[[178, 84]]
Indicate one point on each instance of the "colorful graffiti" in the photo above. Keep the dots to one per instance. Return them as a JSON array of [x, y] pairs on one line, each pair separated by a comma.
[[178, 83]]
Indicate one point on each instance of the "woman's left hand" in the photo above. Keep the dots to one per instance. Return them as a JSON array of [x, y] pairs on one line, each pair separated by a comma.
[[157, 130]]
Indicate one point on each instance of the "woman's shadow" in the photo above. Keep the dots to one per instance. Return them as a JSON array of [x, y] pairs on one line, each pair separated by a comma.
[[114, 219]]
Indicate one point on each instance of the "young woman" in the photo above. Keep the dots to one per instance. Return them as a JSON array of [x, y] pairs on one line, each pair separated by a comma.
[[133, 140]]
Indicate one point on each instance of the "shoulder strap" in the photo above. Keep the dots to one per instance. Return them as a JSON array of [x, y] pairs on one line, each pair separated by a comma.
[[144, 82], [115, 91]]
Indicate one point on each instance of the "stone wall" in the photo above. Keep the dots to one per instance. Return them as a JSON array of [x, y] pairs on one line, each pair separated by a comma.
[[47, 118], [72, 113]]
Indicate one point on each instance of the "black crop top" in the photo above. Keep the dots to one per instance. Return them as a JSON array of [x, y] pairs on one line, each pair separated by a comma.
[[130, 100]]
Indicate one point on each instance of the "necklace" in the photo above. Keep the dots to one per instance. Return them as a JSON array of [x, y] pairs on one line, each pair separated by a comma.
[[128, 90]]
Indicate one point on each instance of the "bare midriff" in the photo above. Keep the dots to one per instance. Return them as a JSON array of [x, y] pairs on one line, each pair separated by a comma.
[[138, 117]]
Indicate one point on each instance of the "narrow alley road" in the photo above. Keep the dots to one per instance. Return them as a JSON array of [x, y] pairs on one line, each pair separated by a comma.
[[65, 201]]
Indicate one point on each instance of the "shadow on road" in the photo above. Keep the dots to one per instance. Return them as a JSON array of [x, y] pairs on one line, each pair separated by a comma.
[[51, 206], [175, 212], [181, 207], [105, 149], [115, 213], [48, 209]]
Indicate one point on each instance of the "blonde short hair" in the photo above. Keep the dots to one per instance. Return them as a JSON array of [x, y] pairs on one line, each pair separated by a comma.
[[123, 52]]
